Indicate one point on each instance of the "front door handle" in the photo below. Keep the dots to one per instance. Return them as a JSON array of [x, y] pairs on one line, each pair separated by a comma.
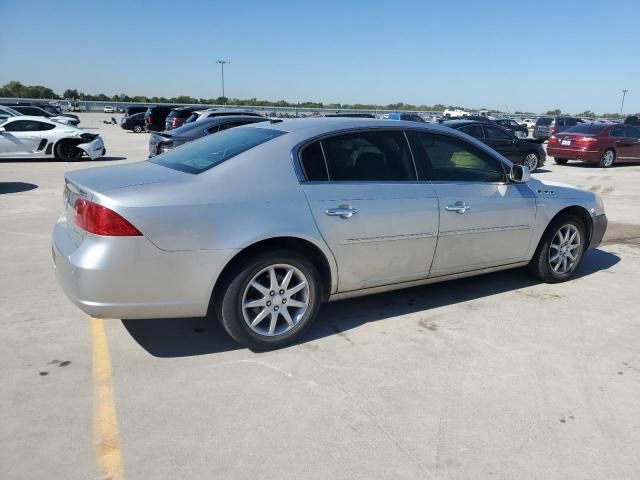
[[343, 211], [458, 207]]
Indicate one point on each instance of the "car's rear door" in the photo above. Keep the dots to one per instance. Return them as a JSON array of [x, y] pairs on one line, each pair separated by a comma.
[[624, 146], [379, 222], [485, 220]]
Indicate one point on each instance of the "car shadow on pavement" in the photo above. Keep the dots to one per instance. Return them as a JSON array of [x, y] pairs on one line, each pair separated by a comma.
[[182, 337], [16, 187]]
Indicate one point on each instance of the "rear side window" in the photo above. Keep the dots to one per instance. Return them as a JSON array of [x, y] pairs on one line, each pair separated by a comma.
[[617, 132], [497, 133], [369, 156], [198, 156], [313, 165], [454, 160]]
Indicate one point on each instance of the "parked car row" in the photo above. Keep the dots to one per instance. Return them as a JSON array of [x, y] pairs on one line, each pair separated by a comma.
[[38, 110]]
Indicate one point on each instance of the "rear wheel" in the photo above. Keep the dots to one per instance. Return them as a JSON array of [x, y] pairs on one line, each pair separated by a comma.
[[531, 160], [137, 128], [66, 151], [560, 250], [607, 159], [560, 161], [270, 300]]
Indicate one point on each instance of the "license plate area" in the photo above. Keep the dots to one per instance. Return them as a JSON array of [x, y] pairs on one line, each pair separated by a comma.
[[565, 142]]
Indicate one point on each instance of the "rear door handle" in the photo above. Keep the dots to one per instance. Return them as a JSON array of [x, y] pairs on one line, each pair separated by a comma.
[[343, 211], [458, 207]]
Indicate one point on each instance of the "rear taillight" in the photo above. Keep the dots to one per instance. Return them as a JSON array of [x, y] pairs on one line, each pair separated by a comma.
[[553, 130], [100, 220], [148, 120], [174, 122], [586, 140], [552, 138]]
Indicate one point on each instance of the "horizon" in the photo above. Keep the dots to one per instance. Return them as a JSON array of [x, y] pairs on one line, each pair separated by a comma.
[[338, 54]]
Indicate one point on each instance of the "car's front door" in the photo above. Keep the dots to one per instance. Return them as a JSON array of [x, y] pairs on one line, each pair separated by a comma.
[[503, 142], [20, 138], [485, 220], [379, 222], [625, 146], [633, 133]]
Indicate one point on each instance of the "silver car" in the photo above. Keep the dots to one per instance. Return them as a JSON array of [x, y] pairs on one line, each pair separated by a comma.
[[260, 224]]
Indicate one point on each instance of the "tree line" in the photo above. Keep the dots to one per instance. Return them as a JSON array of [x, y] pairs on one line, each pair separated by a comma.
[[16, 89]]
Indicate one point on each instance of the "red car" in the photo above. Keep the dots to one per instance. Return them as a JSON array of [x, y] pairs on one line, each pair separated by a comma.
[[596, 143]]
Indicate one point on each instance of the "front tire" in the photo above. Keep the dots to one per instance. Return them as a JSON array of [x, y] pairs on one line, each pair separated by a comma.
[[66, 151], [608, 158], [560, 251], [270, 300], [560, 161]]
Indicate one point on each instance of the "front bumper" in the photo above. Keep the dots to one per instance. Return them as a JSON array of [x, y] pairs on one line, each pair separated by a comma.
[[129, 277], [94, 149], [598, 230]]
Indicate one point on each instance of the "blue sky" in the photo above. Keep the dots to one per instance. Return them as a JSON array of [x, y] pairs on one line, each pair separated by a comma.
[[504, 54]]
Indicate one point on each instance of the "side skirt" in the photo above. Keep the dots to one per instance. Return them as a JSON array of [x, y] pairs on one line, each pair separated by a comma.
[[426, 281]]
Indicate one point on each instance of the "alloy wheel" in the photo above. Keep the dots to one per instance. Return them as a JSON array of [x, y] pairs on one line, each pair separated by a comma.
[[564, 250], [275, 300], [607, 158], [531, 161]]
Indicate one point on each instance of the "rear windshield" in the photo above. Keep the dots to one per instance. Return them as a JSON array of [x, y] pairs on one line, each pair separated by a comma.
[[179, 114], [200, 155], [544, 121], [586, 128]]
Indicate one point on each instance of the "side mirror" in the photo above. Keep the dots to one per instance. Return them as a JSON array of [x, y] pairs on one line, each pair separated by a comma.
[[520, 174]]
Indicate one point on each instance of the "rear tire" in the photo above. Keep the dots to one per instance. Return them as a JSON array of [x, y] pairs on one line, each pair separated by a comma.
[[608, 159], [560, 251], [66, 151], [560, 161], [531, 160], [137, 129], [252, 304]]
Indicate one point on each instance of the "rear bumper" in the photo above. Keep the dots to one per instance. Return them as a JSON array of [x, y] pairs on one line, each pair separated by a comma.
[[129, 277], [574, 153], [598, 230]]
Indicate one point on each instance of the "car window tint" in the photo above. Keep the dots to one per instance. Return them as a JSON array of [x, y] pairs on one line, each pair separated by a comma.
[[473, 130], [25, 126], [214, 129], [369, 156], [617, 131], [633, 132], [313, 164], [452, 159], [497, 134]]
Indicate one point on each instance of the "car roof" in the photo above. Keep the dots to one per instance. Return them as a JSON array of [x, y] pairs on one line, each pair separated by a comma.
[[37, 119], [460, 123], [321, 125]]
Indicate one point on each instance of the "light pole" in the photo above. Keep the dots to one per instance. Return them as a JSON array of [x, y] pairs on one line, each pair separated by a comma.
[[222, 64], [624, 92]]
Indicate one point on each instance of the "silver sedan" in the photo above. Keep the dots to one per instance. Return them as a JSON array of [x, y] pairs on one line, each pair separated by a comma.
[[260, 224]]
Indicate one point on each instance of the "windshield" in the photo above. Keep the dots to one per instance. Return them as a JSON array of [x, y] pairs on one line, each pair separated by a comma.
[[544, 121], [200, 155], [587, 128]]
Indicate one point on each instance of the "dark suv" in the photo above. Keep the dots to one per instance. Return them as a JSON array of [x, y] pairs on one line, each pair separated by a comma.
[[547, 126], [128, 111], [177, 116], [155, 117], [632, 120]]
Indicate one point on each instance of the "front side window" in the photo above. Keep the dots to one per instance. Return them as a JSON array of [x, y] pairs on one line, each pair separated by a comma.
[[450, 159], [27, 126], [369, 156], [633, 132], [200, 155], [473, 130], [497, 134]]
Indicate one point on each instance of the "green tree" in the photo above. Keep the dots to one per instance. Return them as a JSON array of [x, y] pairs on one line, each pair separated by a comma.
[[555, 112]]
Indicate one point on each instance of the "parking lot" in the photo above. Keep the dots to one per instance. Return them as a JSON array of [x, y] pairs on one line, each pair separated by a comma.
[[497, 376]]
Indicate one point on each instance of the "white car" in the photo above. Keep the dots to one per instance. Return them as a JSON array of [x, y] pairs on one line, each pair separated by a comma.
[[108, 109], [455, 113], [38, 137], [527, 122]]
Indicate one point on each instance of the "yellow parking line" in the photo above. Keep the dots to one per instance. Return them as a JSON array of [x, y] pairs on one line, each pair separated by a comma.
[[105, 421]]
